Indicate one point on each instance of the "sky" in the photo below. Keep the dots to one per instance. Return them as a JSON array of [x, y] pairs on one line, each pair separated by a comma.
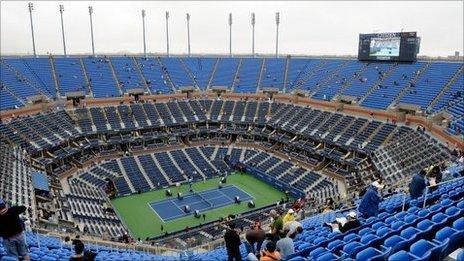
[[306, 28]]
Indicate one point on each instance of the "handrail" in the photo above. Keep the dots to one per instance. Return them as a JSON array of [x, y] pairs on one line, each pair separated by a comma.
[[427, 191]]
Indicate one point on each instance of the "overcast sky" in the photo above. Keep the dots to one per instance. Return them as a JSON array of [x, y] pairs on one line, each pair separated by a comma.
[[312, 28]]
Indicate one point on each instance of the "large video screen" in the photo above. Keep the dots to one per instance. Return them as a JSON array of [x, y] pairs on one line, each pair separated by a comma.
[[402, 46], [385, 46]]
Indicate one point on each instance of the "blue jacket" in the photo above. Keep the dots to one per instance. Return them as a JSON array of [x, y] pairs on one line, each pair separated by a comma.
[[417, 186], [369, 206]]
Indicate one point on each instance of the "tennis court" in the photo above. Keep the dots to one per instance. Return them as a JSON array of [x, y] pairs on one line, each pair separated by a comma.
[[173, 208]]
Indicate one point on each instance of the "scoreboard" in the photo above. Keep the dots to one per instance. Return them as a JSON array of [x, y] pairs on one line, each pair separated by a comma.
[[401, 47]]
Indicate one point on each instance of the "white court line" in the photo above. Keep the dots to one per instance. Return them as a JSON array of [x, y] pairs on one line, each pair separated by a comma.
[[176, 205], [200, 201], [149, 204], [170, 218], [233, 200]]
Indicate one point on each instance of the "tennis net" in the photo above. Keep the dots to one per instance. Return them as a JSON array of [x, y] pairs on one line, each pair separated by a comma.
[[203, 198]]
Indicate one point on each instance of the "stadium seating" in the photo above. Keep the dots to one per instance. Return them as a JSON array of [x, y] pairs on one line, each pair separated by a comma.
[[369, 242], [273, 73], [101, 80], [430, 83], [376, 85], [247, 77], [373, 85], [127, 73], [201, 69], [155, 144], [70, 75], [224, 75], [177, 72], [154, 75], [42, 247]]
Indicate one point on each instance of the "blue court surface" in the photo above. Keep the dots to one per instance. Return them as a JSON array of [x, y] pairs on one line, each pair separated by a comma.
[[170, 209]]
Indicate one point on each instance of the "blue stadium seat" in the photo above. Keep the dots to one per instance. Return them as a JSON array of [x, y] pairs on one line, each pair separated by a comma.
[[454, 212], [378, 225], [448, 239], [366, 230], [427, 227], [413, 210], [8, 258], [397, 226], [396, 243], [369, 240], [460, 256], [440, 219], [424, 213], [460, 205], [350, 237], [335, 245], [410, 234], [402, 256], [371, 254], [459, 224], [327, 257], [318, 252], [425, 249], [384, 232], [351, 249]]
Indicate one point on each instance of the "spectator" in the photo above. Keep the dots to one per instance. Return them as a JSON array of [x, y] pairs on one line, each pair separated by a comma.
[[78, 251], [255, 235], [126, 238], [435, 177], [343, 225], [329, 205], [290, 216], [369, 205], [417, 185], [277, 225], [299, 204], [285, 245], [11, 230], [270, 253], [232, 240], [293, 227]]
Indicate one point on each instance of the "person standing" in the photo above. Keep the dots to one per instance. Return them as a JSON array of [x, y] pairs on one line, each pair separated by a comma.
[[255, 235], [232, 240], [369, 206], [11, 230], [277, 225], [417, 184], [78, 251], [190, 181]]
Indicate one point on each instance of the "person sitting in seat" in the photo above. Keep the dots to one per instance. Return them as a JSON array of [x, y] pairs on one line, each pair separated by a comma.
[[343, 224], [290, 216], [270, 253]]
